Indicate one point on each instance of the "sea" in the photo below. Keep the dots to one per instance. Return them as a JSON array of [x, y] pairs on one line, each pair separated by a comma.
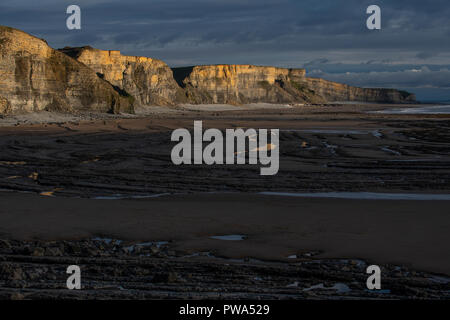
[[440, 109]]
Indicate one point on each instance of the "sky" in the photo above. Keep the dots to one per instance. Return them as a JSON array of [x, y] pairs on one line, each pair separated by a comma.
[[328, 37]]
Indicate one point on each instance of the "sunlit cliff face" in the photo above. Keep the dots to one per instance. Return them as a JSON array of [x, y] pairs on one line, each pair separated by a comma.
[[35, 77], [149, 81]]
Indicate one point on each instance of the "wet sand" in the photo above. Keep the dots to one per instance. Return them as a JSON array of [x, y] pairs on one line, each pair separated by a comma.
[[412, 233]]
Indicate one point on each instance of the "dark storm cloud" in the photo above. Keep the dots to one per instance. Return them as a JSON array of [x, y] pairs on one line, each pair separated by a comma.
[[425, 55], [326, 35], [329, 23]]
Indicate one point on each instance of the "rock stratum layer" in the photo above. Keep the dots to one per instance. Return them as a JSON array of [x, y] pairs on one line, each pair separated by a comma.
[[149, 81], [239, 84], [333, 91], [247, 84], [35, 77]]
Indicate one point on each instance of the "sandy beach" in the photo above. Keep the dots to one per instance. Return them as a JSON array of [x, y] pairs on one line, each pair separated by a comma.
[[69, 181]]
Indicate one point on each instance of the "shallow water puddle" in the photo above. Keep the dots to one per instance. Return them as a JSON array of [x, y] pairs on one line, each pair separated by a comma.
[[339, 287], [377, 134], [383, 291], [363, 195], [123, 196], [157, 244], [421, 110], [107, 240], [131, 248], [388, 150], [199, 254], [439, 279], [231, 237], [293, 285], [326, 131]]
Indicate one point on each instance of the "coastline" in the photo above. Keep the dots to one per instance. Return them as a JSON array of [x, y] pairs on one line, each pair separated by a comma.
[[84, 191]]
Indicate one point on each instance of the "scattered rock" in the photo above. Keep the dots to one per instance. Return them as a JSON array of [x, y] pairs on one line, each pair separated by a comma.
[[17, 296], [4, 244], [34, 176], [169, 277], [38, 252]]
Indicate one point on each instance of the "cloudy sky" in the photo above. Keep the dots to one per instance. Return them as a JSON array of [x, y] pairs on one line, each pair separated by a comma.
[[327, 37]]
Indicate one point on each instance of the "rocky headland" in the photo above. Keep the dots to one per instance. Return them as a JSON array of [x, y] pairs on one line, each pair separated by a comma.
[[240, 84], [333, 91], [149, 81], [35, 77]]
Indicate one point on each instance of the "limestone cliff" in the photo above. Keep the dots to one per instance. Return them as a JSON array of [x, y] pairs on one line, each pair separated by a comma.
[[35, 77], [5, 106], [239, 84], [149, 81], [333, 91]]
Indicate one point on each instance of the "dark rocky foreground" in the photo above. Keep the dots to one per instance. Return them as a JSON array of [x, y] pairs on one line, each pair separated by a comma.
[[112, 269]]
